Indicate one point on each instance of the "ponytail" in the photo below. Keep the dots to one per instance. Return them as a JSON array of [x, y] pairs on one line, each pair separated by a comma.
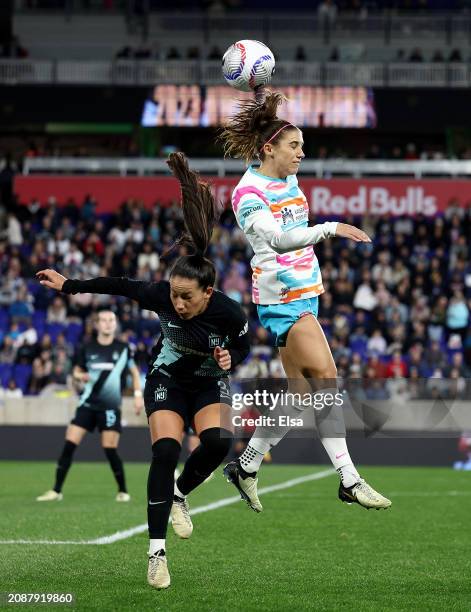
[[252, 127], [199, 216]]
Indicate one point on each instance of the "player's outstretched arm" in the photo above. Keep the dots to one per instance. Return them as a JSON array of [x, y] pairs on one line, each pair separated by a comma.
[[147, 294]]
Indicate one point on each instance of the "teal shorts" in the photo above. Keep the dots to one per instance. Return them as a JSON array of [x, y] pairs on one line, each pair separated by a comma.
[[279, 318]]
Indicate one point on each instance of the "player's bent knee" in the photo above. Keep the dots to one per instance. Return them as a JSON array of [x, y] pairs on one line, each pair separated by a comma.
[[166, 451], [217, 441]]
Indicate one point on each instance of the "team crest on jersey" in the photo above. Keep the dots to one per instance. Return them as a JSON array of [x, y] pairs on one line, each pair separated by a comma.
[[160, 393], [214, 340], [287, 216], [115, 356]]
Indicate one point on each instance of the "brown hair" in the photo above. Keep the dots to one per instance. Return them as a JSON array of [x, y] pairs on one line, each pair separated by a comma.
[[255, 123], [199, 216]]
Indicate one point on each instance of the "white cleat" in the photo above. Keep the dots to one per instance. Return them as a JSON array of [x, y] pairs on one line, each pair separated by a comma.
[[123, 497], [157, 571], [245, 484], [180, 517], [50, 496], [361, 493]]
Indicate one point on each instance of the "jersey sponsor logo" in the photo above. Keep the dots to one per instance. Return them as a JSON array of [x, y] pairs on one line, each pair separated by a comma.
[[244, 330], [110, 418], [106, 365], [251, 210], [214, 340], [160, 394], [172, 325]]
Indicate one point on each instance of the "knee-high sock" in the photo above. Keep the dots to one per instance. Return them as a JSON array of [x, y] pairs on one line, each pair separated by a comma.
[[63, 464], [117, 468], [266, 437], [329, 406], [215, 443], [160, 484]]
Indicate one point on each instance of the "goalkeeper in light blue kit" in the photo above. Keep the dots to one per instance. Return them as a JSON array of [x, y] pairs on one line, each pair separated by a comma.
[[273, 213]]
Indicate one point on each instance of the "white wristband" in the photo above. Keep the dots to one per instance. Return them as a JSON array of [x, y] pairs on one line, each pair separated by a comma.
[[137, 393]]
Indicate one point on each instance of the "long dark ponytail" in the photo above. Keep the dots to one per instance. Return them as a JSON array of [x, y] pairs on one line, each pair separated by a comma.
[[200, 215]]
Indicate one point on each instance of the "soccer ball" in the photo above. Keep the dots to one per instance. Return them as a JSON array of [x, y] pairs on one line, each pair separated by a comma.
[[248, 64]]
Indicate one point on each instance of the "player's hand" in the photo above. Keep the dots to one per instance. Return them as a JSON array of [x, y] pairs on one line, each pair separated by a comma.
[[51, 278], [223, 358], [138, 404], [344, 230]]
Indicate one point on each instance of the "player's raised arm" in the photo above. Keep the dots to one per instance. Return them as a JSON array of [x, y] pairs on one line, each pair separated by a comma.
[[147, 294]]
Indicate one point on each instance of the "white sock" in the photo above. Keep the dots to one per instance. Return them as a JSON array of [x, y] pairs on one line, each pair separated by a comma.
[[338, 453], [155, 546], [177, 492], [252, 457]]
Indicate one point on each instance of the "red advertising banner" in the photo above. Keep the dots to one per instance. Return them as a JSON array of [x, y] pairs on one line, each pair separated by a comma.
[[336, 197]]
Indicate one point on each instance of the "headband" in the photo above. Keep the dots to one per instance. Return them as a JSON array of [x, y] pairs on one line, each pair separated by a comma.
[[276, 134]]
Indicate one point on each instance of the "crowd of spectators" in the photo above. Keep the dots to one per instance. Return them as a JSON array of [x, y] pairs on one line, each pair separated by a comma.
[[398, 308]]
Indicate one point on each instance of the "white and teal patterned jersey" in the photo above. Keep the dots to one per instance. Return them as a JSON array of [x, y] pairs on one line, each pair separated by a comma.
[[274, 213]]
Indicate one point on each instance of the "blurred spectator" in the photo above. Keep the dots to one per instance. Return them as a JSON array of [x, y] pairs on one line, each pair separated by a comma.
[[416, 55], [327, 12], [21, 308], [215, 53], [457, 315], [438, 56], [57, 311], [455, 56], [300, 55], [376, 344], [11, 390]]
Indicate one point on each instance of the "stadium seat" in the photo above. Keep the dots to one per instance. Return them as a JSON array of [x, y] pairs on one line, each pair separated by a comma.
[[54, 329], [73, 333], [6, 371], [22, 374]]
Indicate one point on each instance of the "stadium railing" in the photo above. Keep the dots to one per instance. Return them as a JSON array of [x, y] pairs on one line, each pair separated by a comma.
[[182, 72], [438, 26], [220, 167]]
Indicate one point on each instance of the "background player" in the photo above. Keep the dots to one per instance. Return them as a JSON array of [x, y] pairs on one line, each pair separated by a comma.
[[100, 366], [204, 336], [273, 213]]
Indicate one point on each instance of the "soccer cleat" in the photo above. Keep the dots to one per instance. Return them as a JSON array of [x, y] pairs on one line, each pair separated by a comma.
[[50, 496], [157, 571], [123, 497], [245, 484], [361, 493], [180, 517]]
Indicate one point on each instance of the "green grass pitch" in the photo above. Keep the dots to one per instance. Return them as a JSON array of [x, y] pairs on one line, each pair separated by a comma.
[[306, 551]]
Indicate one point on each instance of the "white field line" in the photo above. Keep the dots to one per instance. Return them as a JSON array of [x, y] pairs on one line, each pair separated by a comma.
[[226, 501]]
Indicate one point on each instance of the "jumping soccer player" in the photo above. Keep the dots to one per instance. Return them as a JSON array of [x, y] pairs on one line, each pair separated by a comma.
[[273, 213], [204, 336], [100, 366]]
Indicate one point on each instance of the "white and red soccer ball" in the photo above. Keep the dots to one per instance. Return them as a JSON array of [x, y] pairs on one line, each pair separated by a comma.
[[247, 64]]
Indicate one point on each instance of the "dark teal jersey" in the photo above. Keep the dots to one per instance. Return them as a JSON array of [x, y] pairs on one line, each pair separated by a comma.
[[107, 366]]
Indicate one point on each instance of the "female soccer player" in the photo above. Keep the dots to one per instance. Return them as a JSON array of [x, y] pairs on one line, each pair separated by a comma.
[[100, 365], [273, 212], [204, 336]]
